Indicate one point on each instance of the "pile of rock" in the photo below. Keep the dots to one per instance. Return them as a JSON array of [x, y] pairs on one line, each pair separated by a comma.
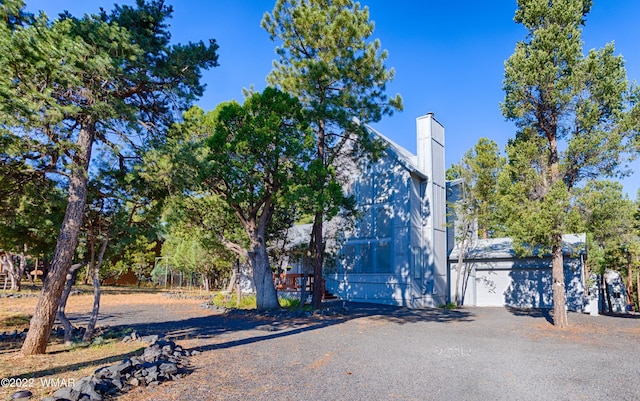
[[13, 336], [35, 295], [161, 361], [18, 295], [212, 306], [183, 295], [56, 332]]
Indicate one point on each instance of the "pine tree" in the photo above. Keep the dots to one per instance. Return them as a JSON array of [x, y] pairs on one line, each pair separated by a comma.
[[70, 83], [574, 120], [327, 60]]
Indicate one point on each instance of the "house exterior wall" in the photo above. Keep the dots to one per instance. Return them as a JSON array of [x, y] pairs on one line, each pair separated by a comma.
[[396, 253], [373, 261]]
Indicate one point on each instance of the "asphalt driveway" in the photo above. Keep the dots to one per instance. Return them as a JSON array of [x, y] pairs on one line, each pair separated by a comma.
[[374, 352]]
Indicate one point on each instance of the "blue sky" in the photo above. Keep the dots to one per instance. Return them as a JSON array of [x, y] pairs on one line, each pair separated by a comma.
[[448, 56]]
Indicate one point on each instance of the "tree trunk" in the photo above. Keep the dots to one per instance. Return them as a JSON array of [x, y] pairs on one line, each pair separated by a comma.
[[96, 292], [8, 265], [92, 257], [318, 259], [458, 296], [638, 287], [266, 295], [601, 293], [303, 291], [49, 300], [629, 280], [465, 281], [62, 317], [22, 265], [205, 282], [32, 277], [317, 252], [559, 295], [232, 281], [607, 294]]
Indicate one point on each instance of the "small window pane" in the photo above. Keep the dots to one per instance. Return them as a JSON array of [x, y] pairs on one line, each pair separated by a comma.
[[349, 260], [383, 187], [383, 257], [365, 260], [365, 225], [383, 222], [366, 190]]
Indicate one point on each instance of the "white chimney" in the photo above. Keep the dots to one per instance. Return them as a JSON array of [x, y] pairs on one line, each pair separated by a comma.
[[430, 148]]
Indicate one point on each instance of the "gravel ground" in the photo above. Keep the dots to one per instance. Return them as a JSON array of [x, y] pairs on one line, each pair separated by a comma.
[[375, 352]]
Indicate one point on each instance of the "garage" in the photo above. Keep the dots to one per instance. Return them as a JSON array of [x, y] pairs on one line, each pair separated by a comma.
[[497, 277]]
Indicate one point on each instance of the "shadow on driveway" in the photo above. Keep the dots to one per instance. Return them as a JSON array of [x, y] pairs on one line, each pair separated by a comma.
[[279, 326], [547, 314]]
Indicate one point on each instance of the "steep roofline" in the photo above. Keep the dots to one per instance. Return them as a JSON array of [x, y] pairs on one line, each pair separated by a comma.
[[406, 159]]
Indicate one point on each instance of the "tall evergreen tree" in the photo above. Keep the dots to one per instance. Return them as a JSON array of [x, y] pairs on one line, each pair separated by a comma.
[[572, 112], [327, 60], [70, 83]]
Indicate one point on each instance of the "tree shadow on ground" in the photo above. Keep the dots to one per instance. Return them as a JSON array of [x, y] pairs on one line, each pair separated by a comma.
[[278, 326], [403, 315], [630, 315], [263, 327], [547, 314]]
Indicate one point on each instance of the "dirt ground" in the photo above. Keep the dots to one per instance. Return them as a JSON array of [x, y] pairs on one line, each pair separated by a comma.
[[120, 308]]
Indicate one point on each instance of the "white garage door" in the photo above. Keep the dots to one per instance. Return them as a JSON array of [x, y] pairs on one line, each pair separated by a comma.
[[526, 288]]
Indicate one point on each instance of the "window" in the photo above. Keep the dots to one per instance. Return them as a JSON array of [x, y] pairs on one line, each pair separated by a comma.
[[383, 222], [365, 224], [365, 259], [365, 190], [383, 257], [349, 258]]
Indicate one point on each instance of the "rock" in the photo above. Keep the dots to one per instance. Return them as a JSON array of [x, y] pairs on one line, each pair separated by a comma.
[[167, 349], [159, 362], [21, 395], [152, 376], [119, 383], [168, 368], [151, 353], [151, 339], [126, 339], [106, 387], [195, 352], [86, 387], [123, 367], [68, 393]]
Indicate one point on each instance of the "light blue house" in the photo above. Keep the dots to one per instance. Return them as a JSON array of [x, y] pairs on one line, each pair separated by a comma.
[[400, 252], [396, 251]]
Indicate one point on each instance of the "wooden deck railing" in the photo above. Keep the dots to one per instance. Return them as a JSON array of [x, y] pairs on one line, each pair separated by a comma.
[[294, 283]]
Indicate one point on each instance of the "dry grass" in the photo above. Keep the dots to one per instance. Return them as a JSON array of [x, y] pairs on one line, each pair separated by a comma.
[[14, 321], [59, 364], [71, 363]]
